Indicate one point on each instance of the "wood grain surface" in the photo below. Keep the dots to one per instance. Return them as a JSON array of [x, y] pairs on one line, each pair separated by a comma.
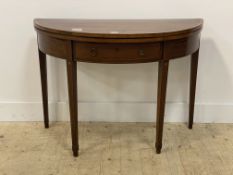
[[117, 42], [115, 149], [162, 28]]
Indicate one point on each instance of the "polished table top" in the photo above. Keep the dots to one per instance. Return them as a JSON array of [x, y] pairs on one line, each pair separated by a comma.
[[118, 41], [158, 28]]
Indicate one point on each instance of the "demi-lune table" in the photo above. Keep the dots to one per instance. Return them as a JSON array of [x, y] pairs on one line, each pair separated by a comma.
[[118, 42]]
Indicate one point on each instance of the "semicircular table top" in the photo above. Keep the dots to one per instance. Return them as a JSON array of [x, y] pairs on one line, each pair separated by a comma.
[[115, 28], [118, 42]]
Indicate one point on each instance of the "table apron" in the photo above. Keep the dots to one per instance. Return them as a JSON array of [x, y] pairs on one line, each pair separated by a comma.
[[118, 52]]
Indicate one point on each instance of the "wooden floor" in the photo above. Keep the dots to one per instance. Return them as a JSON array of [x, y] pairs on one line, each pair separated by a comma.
[[111, 149]]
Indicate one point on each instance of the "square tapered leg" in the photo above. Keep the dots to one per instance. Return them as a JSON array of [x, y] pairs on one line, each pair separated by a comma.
[[73, 104], [161, 100]]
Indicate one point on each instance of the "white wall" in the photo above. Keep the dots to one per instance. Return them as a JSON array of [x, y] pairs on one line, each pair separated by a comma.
[[115, 92]]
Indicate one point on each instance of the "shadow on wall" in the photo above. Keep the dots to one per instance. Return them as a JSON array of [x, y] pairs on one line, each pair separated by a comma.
[[137, 83], [30, 65], [125, 90], [214, 76], [32, 82], [113, 90], [214, 84]]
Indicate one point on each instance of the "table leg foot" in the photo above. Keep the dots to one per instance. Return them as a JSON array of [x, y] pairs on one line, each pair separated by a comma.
[[46, 125], [158, 148], [75, 152], [190, 126]]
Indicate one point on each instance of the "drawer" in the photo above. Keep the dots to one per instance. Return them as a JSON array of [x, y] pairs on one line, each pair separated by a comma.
[[117, 53]]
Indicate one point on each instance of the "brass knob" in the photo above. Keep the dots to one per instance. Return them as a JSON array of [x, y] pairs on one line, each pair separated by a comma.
[[93, 52], [141, 52]]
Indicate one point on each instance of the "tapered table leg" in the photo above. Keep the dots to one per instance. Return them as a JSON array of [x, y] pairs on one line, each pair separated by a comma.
[[73, 103], [161, 99], [43, 74], [192, 91]]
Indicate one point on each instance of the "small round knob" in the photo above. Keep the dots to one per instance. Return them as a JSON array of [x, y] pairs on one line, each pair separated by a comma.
[[93, 52], [141, 52]]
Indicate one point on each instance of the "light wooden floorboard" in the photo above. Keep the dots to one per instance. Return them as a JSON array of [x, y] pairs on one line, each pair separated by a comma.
[[27, 148]]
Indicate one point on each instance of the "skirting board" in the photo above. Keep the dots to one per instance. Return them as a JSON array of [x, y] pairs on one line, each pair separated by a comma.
[[117, 112]]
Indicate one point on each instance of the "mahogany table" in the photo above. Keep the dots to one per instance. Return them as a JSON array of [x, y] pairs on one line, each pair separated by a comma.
[[118, 42]]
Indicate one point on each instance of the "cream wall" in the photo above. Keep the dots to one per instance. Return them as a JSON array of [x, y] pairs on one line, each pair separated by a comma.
[[115, 92]]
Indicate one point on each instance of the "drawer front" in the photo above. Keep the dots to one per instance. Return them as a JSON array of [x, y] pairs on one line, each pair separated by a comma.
[[117, 53]]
